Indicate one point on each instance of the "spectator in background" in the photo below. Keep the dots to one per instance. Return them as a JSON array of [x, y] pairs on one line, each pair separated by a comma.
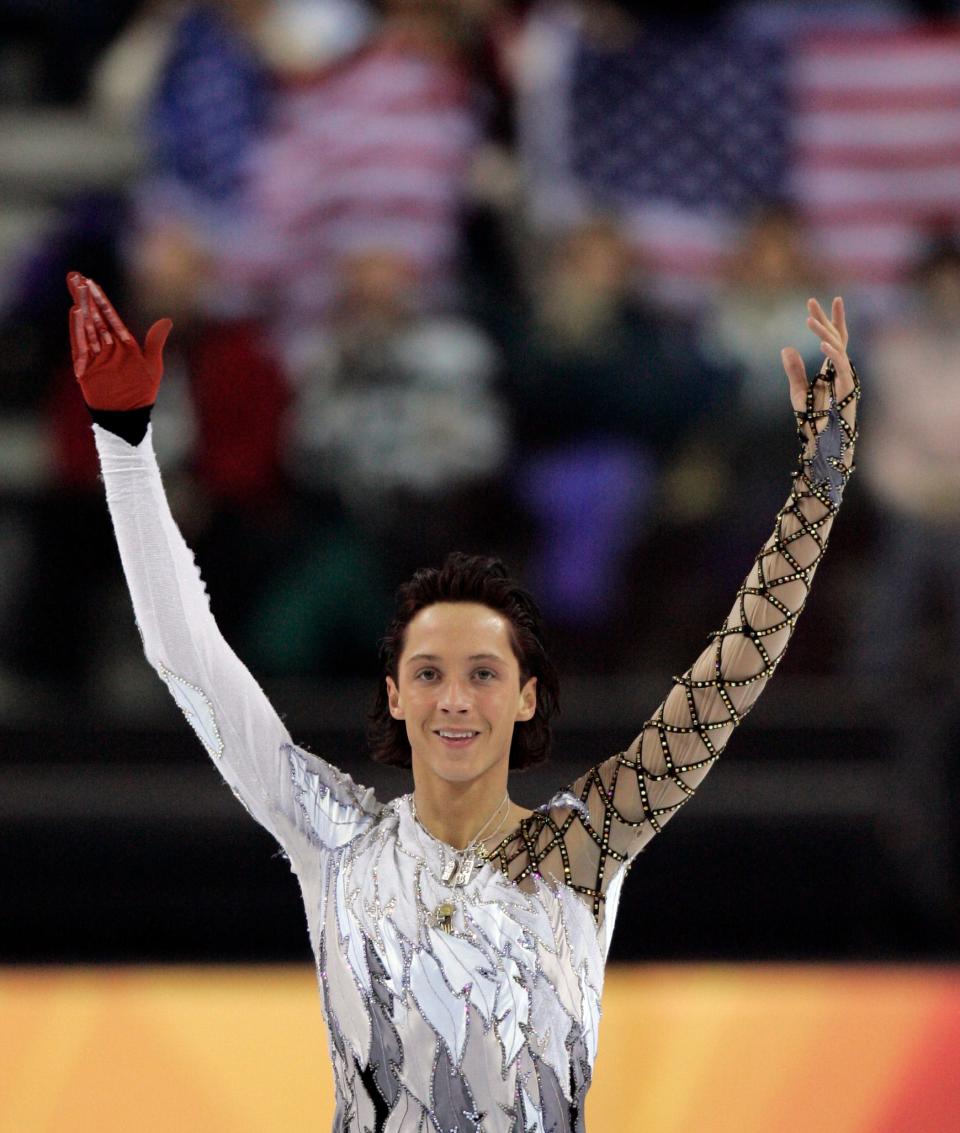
[[737, 457], [372, 154], [769, 274], [226, 72], [55, 610], [286, 140], [395, 401], [202, 81], [913, 472], [47, 47], [672, 118], [604, 387], [193, 74], [348, 245], [396, 420], [769, 270]]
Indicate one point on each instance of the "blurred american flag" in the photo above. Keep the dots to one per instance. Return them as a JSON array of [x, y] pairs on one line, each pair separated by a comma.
[[876, 144], [369, 156], [685, 128]]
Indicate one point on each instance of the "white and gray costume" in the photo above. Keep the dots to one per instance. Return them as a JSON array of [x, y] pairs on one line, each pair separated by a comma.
[[493, 1025]]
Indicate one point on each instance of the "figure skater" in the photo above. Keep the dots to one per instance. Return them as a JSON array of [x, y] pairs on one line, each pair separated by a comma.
[[460, 939]]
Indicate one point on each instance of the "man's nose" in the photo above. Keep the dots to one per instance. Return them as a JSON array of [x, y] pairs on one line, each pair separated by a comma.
[[454, 697]]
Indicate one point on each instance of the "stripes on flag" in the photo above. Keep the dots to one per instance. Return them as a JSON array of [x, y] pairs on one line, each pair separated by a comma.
[[685, 131], [371, 156], [876, 129]]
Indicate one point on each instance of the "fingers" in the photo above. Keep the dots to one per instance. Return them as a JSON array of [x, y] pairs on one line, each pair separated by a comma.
[[833, 336], [154, 342], [103, 304], [89, 328], [813, 306], [93, 310], [840, 320], [797, 374], [97, 309], [74, 279], [74, 338], [830, 386], [844, 382], [84, 331], [835, 326], [821, 325], [836, 354], [78, 342], [825, 332]]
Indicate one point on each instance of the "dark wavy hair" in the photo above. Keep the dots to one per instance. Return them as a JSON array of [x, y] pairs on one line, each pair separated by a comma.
[[469, 578]]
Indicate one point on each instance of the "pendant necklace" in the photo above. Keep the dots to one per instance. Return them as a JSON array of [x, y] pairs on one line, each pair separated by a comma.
[[458, 872]]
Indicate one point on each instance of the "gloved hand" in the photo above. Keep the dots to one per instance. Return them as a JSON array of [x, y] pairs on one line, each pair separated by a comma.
[[114, 374]]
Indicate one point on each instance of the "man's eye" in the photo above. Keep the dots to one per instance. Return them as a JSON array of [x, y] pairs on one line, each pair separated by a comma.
[[426, 674], [485, 674]]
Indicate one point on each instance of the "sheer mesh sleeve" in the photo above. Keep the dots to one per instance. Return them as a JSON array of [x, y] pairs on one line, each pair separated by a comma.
[[586, 834], [302, 800]]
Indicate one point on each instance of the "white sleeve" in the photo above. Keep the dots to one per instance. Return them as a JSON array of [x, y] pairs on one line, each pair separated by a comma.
[[302, 800]]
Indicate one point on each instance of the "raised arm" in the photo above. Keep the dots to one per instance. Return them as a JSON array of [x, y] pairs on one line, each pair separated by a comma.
[[299, 798], [625, 801]]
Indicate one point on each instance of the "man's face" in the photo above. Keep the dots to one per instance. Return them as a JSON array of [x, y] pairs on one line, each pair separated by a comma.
[[458, 691]]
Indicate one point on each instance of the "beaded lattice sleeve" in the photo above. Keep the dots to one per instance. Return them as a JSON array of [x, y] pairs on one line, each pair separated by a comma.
[[593, 829], [302, 800]]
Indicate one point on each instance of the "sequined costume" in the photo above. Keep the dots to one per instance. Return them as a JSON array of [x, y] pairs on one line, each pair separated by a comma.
[[493, 1025]]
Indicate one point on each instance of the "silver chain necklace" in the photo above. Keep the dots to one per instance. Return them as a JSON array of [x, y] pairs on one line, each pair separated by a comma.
[[457, 872]]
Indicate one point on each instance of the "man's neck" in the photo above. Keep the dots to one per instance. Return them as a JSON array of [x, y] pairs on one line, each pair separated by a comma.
[[456, 813]]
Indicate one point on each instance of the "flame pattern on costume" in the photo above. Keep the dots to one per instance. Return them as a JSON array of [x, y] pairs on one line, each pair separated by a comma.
[[427, 1024]]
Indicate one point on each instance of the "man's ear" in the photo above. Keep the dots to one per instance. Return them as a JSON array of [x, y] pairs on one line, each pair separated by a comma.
[[393, 699], [528, 700]]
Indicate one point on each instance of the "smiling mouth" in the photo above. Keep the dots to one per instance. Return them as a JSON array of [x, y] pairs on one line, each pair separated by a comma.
[[455, 737]]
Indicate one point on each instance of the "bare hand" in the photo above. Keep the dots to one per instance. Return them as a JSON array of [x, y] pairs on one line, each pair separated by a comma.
[[833, 336], [825, 406]]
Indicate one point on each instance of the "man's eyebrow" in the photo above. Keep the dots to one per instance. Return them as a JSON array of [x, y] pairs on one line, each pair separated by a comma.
[[472, 657]]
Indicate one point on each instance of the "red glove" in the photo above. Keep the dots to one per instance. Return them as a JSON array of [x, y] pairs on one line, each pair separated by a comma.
[[113, 372]]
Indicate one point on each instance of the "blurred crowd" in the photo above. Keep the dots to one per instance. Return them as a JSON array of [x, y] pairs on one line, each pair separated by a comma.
[[401, 328]]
